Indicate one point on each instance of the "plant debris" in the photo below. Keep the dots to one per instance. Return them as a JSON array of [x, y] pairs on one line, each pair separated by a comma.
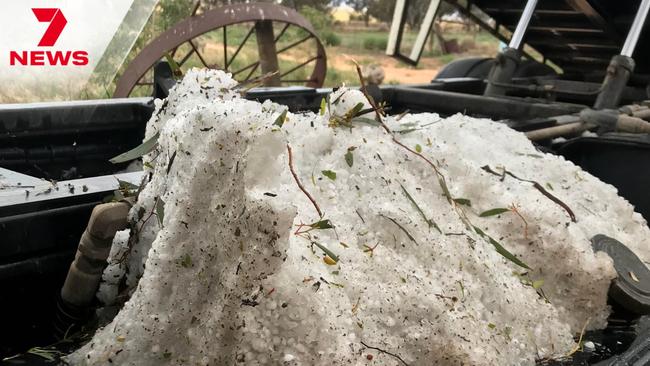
[[243, 255], [537, 186]]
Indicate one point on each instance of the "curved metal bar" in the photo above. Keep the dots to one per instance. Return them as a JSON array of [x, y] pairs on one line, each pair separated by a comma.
[[198, 53], [241, 45], [248, 77], [284, 29], [192, 27], [299, 66], [294, 44]]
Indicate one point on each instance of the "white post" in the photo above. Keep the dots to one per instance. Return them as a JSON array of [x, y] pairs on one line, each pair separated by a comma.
[[425, 29], [391, 45], [520, 31], [635, 29]]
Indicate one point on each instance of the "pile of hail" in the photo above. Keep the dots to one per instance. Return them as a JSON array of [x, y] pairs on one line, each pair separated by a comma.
[[265, 237]]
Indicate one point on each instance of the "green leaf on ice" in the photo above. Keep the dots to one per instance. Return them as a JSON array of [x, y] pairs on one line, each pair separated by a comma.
[[329, 174], [137, 151]]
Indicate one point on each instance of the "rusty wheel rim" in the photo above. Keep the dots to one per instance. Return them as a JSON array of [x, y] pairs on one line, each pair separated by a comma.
[[187, 30]]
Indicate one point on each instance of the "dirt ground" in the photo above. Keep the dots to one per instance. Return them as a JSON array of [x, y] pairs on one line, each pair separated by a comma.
[[396, 71]]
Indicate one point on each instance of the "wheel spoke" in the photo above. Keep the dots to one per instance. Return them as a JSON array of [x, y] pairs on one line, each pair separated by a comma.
[[250, 31], [254, 64], [294, 44], [248, 77], [300, 66], [297, 80], [196, 7], [184, 44], [281, 32], [198, 54], [187, 56], [225, 48]]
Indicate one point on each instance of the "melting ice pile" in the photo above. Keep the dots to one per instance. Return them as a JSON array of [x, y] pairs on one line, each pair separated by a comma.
[[232, 264]]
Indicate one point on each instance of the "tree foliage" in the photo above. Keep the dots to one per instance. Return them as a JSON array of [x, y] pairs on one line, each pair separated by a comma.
[[383, 9], [295, 4]]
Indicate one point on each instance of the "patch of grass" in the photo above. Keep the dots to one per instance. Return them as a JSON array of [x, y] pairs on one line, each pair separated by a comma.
[[331, 39], [376, 43], [445, 59], [337, 77]]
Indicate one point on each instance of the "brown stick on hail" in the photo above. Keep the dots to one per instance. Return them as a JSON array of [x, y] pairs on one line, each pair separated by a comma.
[[295, 177]]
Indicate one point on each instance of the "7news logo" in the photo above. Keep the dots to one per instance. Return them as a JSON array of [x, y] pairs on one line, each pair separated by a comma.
[[57, 21]]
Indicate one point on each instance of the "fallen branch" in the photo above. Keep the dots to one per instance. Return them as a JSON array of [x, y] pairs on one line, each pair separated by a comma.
[[513, 208], [579, 344], [537, 186], [401, 228], [386, 352], [371, 100], [135, 233], [295, 177]]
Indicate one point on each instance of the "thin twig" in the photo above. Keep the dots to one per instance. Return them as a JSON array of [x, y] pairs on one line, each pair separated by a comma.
[[441, 178], [247, 85], [401, 228], [295, 177], [537, 186], [361, 217], [365, 93], [582, 334], [386, 352], [513, 208], [135, 233]]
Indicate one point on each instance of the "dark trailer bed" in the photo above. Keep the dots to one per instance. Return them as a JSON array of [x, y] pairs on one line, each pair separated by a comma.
[[580, 36], [604, 77]]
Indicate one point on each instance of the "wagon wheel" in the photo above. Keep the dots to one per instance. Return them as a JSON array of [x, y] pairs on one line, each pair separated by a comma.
[[247, 40]]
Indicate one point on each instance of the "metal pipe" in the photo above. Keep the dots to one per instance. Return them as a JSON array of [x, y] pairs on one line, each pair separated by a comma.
[[604, 120], [446, 102], [635, 29], [522, 26], [95, 245], [76, 296]]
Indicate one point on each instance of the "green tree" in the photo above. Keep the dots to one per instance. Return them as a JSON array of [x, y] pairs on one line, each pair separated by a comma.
[[321, 5], [383, 10]]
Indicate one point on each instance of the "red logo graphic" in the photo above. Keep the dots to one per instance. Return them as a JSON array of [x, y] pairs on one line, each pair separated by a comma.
[[57, 21]]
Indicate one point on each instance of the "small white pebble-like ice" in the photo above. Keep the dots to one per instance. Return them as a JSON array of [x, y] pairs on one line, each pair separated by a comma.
[[231, 277]]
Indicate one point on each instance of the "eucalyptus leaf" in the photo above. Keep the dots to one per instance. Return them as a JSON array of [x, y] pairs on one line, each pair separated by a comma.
[[137, 151], [186, 261], [355, 110], [500, 249], [494, 211], [329, 174], [326, 251], [322, 224], [445, 189], [463, 201], [160, 210], [127, 185], [45, 352], [349, 158], [176, 69], [431, 223], [401, 228], [323, 106], [366, 120], [281, 118]]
